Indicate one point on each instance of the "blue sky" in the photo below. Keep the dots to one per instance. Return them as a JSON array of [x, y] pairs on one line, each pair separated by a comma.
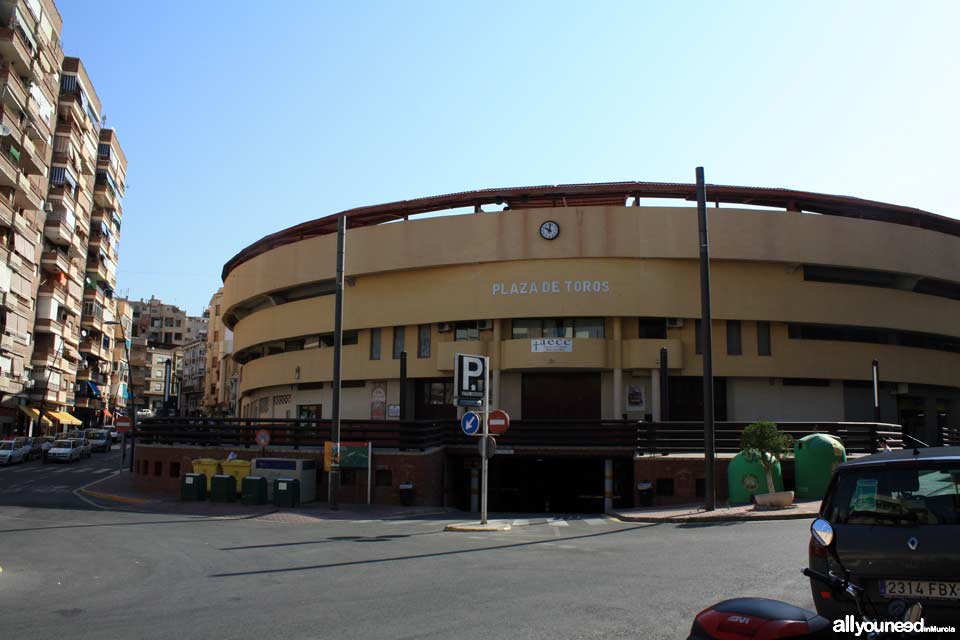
[[241, 118]]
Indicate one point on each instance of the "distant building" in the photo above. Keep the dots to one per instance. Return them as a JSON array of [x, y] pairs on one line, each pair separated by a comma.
[[165, 325], [194, 372], [222, 372]]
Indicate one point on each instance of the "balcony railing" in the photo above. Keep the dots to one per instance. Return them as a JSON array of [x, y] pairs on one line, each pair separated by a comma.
[[627, 436]]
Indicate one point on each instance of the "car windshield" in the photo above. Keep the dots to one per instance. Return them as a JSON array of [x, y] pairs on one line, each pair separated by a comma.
[[897, 495], [63, 444], [6, 446]]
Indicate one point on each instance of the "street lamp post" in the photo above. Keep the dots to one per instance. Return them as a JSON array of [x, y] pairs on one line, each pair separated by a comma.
[[130, 398]]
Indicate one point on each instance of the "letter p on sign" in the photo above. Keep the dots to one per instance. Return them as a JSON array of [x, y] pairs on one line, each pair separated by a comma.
[[470, 374]]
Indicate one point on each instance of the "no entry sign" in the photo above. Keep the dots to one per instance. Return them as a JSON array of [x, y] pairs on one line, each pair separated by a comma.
[[122, 424], [263, 438], [498, 422]]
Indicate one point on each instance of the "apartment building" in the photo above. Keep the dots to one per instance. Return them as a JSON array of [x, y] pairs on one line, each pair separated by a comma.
[[59, 329], [157, 377], [165, 325], [194, 371], [222, 373], [122, 353], [30, 62]]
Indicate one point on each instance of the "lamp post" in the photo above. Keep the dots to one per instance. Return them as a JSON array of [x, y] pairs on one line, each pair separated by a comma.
[[133, 404]]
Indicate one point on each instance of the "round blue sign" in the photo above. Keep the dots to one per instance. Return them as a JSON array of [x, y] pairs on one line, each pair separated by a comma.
[[470, 423]]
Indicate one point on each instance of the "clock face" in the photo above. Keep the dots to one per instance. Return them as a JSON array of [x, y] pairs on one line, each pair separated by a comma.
[[549, 230]]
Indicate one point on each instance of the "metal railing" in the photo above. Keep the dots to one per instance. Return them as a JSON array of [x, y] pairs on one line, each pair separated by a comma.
[[648, 438]]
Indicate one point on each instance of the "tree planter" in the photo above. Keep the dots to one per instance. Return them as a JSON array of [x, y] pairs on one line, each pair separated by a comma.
[[775, 500]]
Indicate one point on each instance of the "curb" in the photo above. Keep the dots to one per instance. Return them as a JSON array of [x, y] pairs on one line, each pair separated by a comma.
[[477, 527], [113, 498], [708, 519]]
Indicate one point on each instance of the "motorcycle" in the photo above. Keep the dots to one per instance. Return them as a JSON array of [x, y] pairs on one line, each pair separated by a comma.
[[765, 619]]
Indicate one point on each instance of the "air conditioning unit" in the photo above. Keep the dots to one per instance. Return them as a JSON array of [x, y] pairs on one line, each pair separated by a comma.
[[485, 325], [674, 323], [48, 207], [444, 327]]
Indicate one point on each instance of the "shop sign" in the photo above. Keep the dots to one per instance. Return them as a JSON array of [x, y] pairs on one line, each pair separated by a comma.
[[551, 345]]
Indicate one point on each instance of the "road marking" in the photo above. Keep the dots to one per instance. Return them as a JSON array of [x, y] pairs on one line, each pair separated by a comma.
[[107, 470], [521, 523], [559, 523], [595, 521], [61, 470]]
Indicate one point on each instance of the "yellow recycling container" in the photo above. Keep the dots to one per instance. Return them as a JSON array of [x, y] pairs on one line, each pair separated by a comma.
[[208, 467], [239, 469]]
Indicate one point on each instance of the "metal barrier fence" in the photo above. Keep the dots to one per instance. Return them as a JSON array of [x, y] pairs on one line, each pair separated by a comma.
[[642, 437]]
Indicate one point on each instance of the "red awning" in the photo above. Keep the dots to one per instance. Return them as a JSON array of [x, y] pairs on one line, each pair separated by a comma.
[[107, 414]]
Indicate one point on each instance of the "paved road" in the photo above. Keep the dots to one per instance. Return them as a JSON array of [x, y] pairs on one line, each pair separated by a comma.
[[113, 574], [51, 485]]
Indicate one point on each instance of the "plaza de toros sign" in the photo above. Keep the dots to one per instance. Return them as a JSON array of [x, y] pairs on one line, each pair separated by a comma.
[[549, 287]]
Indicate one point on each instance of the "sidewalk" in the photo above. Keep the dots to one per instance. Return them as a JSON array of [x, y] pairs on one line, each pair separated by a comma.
[[117, 492], [695, 513]]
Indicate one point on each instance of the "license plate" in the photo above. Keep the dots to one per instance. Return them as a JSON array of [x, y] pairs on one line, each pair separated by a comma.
[[932, 589]]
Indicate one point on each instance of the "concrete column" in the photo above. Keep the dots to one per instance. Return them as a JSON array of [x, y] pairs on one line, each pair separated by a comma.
[[655, 394], [607, 485], [495, 366], [474, 490], [617, 363]]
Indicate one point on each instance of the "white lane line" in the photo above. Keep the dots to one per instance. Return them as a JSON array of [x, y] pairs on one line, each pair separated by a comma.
[[595, 521], [107, 470], [62, 470], [521, 523]]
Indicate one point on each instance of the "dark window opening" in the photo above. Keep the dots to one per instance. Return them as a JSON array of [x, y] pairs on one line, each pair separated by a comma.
[[375, 344], [423, 341], [873, 335], [653, 329], [349, 337], [158, 468], [805, 382], [763, 338], [557, 328], [701, 487], [397, 342], [466, 330], [734, 346], [883, 279], [174, 469]]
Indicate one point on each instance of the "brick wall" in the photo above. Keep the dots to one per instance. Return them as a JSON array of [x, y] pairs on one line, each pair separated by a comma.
[[684, 472]]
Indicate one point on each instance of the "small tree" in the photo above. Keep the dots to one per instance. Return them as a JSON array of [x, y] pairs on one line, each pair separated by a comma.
[[763, 441]]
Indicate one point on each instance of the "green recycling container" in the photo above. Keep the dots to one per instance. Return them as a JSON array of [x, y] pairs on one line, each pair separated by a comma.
[[193, 486], [254, 490], [223, 488], [745, 477], [286, 492], [816, 456]]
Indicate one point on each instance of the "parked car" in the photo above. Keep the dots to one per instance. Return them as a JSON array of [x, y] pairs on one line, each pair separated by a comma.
[[86, 449], [64, 451], [13, 451], [36, 448], [99, 439], [115, 435], [896, 518]]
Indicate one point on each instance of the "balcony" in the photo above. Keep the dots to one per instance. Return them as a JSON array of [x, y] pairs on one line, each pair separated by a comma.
[[10, 385], [21, 266], [33, 157], [93, 346], [48, 392], [72, 337], [104, 195], [48, 325], [15, 87], [98, 270], [89, 375], [55, 262], [16, 48], [29, 193], [47, 358], [59, 229], [6, 213]]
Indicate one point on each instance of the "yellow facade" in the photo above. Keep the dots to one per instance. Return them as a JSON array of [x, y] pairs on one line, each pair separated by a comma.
[[613, 263]]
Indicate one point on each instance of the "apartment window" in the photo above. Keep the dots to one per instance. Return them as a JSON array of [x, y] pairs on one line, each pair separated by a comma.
[[309, 411], [524, 328], [652, 329], [468, 330], [178, 336], [179, 322], [423, 341], [763, 338], [698, 329], [375, 344], [397, 342], [734, 346], [168, 322]]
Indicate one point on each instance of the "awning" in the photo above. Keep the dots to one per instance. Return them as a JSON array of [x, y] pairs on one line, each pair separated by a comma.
[[107, 414], [64, 418], [33, 413], [94, 389]]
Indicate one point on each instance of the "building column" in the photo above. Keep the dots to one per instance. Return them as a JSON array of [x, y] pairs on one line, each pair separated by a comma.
[[617, 363], [655, 394], [607, 485], [494, 352]]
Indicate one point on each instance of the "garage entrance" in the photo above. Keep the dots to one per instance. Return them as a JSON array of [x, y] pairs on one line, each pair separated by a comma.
[[544, 484]]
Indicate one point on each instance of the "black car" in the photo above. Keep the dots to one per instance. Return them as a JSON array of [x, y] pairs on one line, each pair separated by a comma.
[[896, 517]]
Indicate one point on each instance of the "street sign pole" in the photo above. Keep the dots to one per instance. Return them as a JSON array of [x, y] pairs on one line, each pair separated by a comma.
[[484, 463]]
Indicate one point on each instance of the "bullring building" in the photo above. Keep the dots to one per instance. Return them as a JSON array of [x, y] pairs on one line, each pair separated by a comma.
[[573, 290]]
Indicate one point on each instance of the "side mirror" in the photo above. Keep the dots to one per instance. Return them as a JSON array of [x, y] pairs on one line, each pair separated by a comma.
[[822, 532]]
